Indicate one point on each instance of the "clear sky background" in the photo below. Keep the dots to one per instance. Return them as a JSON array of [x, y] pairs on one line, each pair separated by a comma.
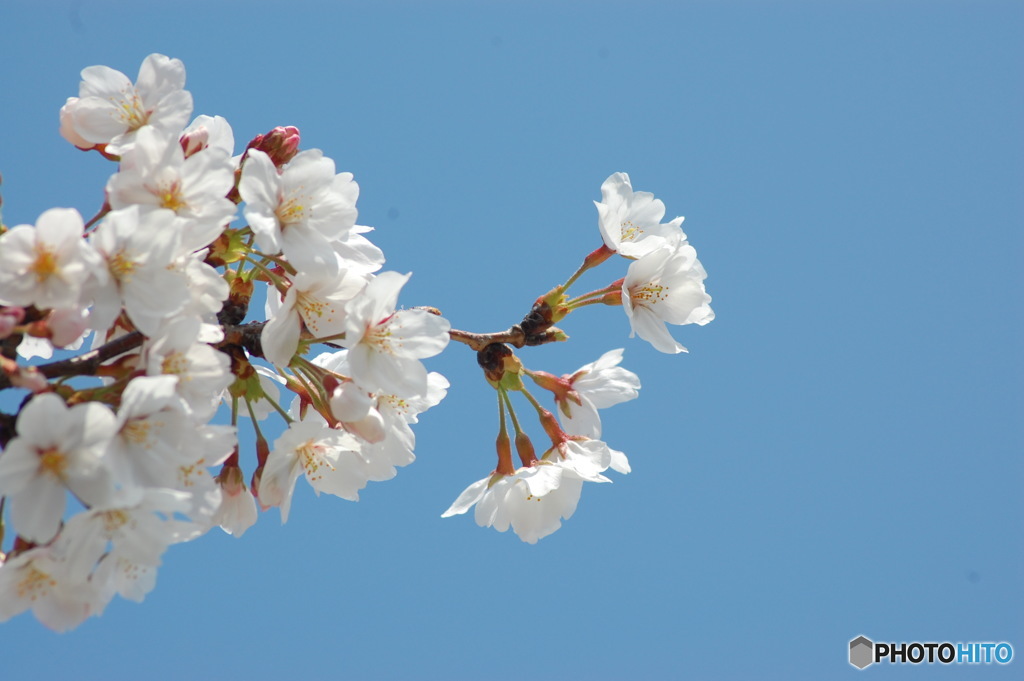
[[840, 452]]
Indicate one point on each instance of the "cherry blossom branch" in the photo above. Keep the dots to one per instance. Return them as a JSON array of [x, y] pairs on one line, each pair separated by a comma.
[[87, 363], [515, 337]]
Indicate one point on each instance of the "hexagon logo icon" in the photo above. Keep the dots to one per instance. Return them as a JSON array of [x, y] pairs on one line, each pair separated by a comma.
[[862, 652]]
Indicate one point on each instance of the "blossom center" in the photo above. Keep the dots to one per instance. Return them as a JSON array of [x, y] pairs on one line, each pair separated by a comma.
[[130, 111], [53, 461], [380, 336], [291, 210], [114, 520], [631, 231], [312, 460], [137, 432], [650, 294], [121, 266], [45, 263], [314, 312], [176, 364], [189, 474], [171, 197], [35, 583]]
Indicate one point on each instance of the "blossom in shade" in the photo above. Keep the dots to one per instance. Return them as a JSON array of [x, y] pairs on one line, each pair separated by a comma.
[[203, 371], [39, 579], [137, 524], [237, 512]]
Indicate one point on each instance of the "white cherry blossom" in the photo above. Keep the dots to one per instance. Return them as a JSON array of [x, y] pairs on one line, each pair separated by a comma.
[[357, 252], [533, 501], [666, 285], [315, 300], [111, 110], [156, 173], [206, 132], [328, 458], [299, 210], [381, 420], [137, 525], [119, 575], [237, 512], [598, 385], [202, 370], [138, 246], [39, 579], [385, 346], [57, 449], [153, 433], [630, 222], [49, 264], [207, 291]]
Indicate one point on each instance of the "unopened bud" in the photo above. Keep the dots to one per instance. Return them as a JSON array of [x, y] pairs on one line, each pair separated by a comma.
[[197, 140], [67, 326], [281, 144], [10, 317], [67, 126]]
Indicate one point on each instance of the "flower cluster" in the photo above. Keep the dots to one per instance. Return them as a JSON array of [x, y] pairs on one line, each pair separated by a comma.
[[159, 284], [663, 284], [113, 454]]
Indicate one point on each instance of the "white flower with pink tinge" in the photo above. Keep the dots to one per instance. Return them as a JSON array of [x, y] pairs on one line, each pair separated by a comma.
[[385, 346], [111, 110], [665, 286]]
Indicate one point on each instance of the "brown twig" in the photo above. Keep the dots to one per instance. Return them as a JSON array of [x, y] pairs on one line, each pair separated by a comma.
[[87, 363]]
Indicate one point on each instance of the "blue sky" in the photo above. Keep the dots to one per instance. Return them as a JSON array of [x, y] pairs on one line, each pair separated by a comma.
[[840, 452]]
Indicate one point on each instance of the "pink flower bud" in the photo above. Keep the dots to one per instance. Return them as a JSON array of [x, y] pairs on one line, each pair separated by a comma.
[[67, 326], [67, 126], [197, 140], [280, 144], [10, 317]]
